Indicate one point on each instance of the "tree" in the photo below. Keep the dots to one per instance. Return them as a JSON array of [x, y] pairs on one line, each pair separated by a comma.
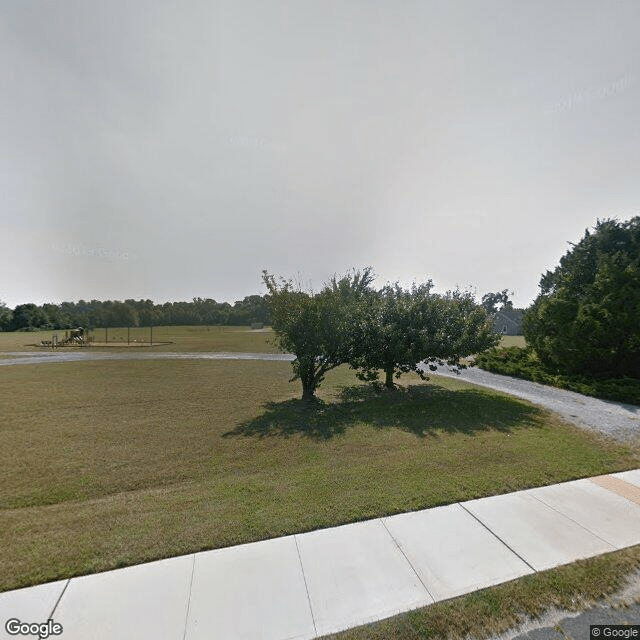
[[315, 327], [122, 314], [6, 317], [56, 316], [586, 319], [251, 309], [28, 316], [403, 329], [147, 313], [490, 301]]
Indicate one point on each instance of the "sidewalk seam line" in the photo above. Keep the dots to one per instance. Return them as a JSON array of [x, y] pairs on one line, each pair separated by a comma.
[[55, 606], [593, 533], [495, 535], [407, 559], [186, 616], [306, 586]]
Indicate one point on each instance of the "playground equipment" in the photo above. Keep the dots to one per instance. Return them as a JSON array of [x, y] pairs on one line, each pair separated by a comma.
[[72, 338], [113, 337]]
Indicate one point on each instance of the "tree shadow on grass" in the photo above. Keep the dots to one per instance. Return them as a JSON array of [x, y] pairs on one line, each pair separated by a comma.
[[424, 410]]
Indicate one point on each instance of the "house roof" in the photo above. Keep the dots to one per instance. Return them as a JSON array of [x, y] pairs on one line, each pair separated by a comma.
[[513, 316]]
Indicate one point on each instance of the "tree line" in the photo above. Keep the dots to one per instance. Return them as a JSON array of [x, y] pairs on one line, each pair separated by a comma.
[[133, 313], [144, 313]]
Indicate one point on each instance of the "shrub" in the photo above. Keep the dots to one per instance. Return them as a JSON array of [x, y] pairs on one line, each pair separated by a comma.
[[519, 362], [586, 320]]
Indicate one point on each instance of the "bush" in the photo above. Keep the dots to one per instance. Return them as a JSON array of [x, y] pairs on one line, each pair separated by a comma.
[[519, 362]]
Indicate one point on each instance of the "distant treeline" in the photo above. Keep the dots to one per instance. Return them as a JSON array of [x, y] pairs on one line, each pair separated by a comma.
[[133, 313]]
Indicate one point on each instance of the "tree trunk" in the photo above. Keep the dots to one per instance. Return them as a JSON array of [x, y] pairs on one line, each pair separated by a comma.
[[308, 387], [388, 381], [308, 393]]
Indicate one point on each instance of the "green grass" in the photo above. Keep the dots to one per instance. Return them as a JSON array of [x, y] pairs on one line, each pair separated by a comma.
[[513, 341], [497, 609], [120, 462], [186, 338]]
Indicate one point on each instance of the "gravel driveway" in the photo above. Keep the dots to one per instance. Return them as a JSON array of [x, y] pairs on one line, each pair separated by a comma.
[[621, 421]]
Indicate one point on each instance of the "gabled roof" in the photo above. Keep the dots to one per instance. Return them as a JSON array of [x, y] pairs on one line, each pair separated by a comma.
[[513, 316]]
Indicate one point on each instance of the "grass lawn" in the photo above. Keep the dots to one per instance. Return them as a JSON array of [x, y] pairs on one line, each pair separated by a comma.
[[119, 462], [513, 341], [214, 338]]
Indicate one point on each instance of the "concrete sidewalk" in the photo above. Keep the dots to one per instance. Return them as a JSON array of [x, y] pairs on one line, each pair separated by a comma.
[[311, 584]]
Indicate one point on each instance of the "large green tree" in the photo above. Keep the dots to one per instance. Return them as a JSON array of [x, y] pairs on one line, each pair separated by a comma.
[[402, 330], [316, 327], [6, 316], [586, 319], [28, 316]]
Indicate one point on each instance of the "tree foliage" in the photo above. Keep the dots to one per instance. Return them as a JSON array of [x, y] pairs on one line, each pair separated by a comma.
[[393, 329], [316, 327], [27, 316], [403, 328], [586, 319], [498, 301], [131, 313], [6, 317]]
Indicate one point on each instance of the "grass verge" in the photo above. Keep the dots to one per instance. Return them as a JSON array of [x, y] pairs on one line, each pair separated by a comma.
[[495, 610], [120, 462]]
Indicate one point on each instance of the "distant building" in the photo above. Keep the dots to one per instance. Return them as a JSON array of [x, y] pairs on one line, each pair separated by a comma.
[[508, 322]]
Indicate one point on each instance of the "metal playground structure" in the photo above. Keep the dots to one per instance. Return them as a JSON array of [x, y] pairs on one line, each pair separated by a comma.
[[105, 337], [72, 338]]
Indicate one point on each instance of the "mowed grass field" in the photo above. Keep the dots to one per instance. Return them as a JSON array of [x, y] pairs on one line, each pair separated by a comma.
[[213, 338], [513, 341], [113, 463]]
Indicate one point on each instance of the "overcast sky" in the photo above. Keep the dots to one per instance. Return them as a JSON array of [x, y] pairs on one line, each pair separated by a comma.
[[166, 150]]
